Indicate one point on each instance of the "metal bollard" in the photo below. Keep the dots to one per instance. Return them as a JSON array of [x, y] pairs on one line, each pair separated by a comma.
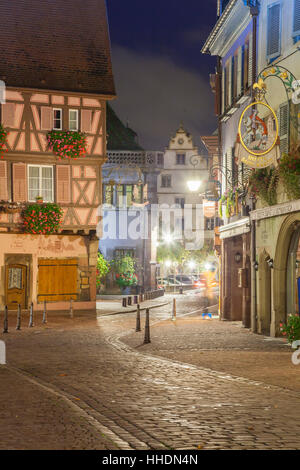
[[31, 316], [141, 298], [129, 301], [135, 299], [18, 327], [124, 302], [174, 310], [147, 327], [5, 329], [71, 309], [45, 312], [138, 318]]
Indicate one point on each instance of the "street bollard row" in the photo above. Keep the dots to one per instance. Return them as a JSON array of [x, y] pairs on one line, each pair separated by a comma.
[[19, 316]]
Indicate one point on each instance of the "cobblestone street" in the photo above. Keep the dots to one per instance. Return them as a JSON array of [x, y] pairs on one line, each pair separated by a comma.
[[75, 384]]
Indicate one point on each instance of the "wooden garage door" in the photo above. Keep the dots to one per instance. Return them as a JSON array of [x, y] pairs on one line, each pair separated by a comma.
[[57, 280]]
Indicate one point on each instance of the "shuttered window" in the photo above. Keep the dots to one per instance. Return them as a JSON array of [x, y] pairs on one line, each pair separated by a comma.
[[19, 182], [273, 32], [3, 181], [86, 120], [63, 194], [46, 118], [296, 20], [283, 120], [8, 114], [223, 90]]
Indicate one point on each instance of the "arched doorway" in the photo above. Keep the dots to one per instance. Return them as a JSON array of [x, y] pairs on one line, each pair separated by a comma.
[[284, 272]]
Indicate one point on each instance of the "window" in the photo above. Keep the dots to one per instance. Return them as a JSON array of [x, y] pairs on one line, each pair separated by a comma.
[[73, 120], [166, 181], [160, 159], [121, 253], [273, 32], [245, 61], [180, 201], [180, 159], [108, 194], [57, 119], [128, 193], [296, 20], [40, 182], [209, 223]]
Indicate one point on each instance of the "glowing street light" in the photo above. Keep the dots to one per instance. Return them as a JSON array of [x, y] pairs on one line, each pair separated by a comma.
[[192, 264], [168, 239], [194, 185]]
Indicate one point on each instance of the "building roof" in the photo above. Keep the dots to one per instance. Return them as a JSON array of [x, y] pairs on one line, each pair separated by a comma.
[[120, 137], [56, 45]]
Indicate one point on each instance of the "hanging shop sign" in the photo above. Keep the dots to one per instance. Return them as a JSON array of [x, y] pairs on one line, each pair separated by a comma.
[[257, 143]]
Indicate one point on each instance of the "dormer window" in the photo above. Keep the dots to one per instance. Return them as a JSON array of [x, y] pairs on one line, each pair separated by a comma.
[[57, 119]]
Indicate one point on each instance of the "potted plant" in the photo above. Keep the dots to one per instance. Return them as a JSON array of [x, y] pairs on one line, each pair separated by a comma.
[[103, 268], [125, 274], [291, 330], [39, 199]]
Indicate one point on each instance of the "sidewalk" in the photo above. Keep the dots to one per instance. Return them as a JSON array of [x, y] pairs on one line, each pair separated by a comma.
[[114, 306]]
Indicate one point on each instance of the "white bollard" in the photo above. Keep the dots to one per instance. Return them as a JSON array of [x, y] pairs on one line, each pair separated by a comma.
[[2, 353]]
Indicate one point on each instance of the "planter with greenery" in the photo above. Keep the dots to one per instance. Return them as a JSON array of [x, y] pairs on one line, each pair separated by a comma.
[[289, 172], [103, 268], [68, 144], [263, 183], [291, 330], [230, 199], [125, 272], [3, 136], [41, 219]]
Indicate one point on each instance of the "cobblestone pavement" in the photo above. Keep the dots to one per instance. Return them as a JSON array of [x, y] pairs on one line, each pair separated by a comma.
[[137, 400]]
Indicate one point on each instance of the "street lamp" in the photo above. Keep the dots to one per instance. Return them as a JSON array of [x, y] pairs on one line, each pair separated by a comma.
[[194, 185]]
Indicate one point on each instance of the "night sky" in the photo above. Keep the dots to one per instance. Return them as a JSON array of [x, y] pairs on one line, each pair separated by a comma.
[[161, 76]]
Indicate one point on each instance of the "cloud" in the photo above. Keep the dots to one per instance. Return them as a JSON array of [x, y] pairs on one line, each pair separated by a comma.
[[155, 95]]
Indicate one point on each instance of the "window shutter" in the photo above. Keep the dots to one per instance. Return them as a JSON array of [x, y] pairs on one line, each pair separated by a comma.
[[46, 118], [283, 120], [273, 31], [223, 90], [296, 23], [229, 91], [19, 182], [86, 120], [3, 181], [239, 72], [250, 66], [63, 193], [8, 114]]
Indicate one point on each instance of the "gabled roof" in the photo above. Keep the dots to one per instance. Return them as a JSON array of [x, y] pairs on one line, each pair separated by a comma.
[[56, 45], [119, 136]]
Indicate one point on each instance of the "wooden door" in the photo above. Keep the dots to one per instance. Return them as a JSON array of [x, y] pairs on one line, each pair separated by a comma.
[[57, 280], [16, 286]]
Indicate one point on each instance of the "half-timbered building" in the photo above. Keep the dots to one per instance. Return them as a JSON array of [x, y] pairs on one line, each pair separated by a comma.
[[55, 62]]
